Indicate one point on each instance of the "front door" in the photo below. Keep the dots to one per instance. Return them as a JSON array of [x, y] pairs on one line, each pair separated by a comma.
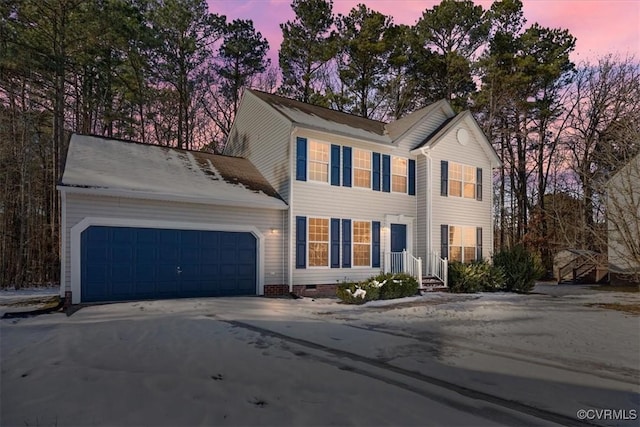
[[398, 244]]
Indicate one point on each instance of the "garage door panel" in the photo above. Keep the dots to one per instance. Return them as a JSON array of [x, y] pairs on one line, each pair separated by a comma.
[[122, 263]]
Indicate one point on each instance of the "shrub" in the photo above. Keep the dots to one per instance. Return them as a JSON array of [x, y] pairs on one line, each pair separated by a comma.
[[398, 286], [382, 286], [521, 268], [358, 293], [475, 277]]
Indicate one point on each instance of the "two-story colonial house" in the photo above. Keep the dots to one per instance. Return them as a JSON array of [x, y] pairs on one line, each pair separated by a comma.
[[303, 198]]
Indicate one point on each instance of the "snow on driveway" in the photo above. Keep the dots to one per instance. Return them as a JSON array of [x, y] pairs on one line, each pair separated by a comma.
[[440, 359]]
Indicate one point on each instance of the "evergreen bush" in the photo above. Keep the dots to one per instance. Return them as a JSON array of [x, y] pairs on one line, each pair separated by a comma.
[[521, 268], [478, 276], [382, 286]]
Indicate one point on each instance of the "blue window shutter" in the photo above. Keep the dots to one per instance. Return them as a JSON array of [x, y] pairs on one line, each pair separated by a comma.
[[301, 242], [346, 243], [444, 178], [412, 177], [335, 164], [479, 184], [444, 241], [335, 243], [346, 166], [479, 243], [301, 159], [375, 244], [375, 159], [386, 173]]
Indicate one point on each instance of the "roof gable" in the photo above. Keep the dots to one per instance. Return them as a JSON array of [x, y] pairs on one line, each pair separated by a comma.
[[315, 117], [453, 123], [132, 168]]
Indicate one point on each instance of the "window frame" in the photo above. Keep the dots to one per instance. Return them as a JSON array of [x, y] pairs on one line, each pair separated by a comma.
[[464, 229], [311, 161], [354, 167], [355, 243], [311, 219], [394, 174], [463, 181]]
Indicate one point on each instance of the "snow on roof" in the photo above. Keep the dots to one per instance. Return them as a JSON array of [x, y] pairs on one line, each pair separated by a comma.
[[143, 170], [315, 117]]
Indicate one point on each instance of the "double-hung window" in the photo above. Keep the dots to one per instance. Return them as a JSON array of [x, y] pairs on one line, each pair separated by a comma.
[[399, 175], [318, 242], [462, 243], [362, 243], [462, 180], [318, 161], [361, 168]]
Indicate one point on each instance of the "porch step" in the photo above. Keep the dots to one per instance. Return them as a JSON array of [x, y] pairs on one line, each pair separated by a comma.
[[431, 284]]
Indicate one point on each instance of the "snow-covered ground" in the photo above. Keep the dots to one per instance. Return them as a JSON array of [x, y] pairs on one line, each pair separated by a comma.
[[439, 359]]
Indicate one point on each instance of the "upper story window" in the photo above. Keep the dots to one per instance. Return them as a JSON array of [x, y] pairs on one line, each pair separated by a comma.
[[462, 243], [318, 161], [361, 168], [361, 243], [399, 175], [318, 242], [462, 180]]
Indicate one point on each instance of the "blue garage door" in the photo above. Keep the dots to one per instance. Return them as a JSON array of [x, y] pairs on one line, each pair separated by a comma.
[[123, 263]]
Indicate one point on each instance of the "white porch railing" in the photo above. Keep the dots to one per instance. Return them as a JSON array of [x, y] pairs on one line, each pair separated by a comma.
[[439, 267], [403, 262]]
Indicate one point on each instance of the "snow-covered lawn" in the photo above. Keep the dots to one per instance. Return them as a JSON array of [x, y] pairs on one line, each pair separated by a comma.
[[439, 359]]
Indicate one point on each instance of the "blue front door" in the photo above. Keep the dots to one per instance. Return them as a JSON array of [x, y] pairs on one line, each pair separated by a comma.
[[398, 244], [126, 263], [398, 237]]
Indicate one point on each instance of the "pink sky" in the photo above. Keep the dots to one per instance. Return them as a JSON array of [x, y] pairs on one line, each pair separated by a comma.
[[600, 26]]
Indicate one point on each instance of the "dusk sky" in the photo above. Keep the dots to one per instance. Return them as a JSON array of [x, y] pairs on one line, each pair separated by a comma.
[[600, 26]]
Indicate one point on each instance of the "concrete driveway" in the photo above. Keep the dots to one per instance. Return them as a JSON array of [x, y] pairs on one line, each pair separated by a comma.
[[257, 361]]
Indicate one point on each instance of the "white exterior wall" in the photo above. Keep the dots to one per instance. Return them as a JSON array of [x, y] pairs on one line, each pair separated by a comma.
[[422, 130], [261, 135], [323, 200], [623, 216], [459, 210], [79, 207]]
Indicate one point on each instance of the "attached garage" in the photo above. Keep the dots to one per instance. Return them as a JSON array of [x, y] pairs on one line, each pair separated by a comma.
[[149, 222], [126, 263]]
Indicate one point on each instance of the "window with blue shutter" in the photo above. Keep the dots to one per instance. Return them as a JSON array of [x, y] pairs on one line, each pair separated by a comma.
[[444, 178], [301, 242], [479, 243], [412, 177], [335, 164], [346, 166], [479, 184], [346, 243], [444, 241], [375, 167], [375, 244], [301, 159], [335, 243], [386, 173]]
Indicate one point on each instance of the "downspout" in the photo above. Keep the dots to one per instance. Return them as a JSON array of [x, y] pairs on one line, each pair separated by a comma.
[[426, 151]]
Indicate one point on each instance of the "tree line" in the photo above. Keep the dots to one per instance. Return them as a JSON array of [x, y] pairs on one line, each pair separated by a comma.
[[171, 72]]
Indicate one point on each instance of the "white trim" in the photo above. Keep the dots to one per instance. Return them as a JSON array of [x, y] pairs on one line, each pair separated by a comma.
[[400, 219], [353, 169], [268, 203], [308, 227], [292, 248], [406, 176], [63, 244], [353, 243], [328, 181], [76, 232]]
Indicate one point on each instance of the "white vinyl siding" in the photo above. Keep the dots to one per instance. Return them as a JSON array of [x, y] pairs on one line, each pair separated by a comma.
[[272, 224], [262, 135], [461, 211], [326, 201]]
